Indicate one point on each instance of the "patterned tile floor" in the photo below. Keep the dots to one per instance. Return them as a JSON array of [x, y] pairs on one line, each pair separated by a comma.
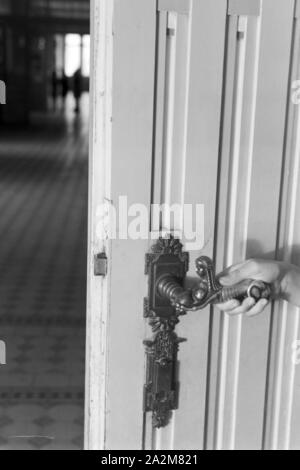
[[43, 207]]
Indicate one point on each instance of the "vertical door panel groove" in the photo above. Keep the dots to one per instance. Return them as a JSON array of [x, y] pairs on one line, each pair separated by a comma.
[[235, 412], [281, 400], [239, 121], [207, 44]]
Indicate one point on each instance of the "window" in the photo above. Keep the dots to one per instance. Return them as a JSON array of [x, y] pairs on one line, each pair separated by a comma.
[[86, 55], [73, 54], [77, 54]]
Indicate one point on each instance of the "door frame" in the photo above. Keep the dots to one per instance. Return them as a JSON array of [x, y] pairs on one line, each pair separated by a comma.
[[99, 170], [121, 70]]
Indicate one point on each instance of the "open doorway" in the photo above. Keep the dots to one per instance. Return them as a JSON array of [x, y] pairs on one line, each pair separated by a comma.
[[44, 62]]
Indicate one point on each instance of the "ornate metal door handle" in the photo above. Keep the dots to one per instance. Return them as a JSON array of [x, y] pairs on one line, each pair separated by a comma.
[[168, 299], [209, 290]]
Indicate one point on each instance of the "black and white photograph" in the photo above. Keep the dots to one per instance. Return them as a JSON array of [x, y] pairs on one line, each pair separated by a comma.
[[149, 227]]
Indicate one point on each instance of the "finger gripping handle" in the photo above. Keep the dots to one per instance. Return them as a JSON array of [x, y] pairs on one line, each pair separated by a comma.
[[248, 288]]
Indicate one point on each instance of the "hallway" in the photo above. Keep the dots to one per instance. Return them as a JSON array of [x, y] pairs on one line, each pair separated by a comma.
[[43, 204]]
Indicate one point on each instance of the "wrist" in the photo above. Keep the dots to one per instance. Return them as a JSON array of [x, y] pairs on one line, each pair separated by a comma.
[[291, 285]]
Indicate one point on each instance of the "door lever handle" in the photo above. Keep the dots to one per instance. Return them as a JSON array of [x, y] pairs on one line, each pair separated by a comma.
[[208, 290], [166, 266]]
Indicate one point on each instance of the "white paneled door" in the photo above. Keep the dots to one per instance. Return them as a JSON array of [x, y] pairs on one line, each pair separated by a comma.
[[193, 104]]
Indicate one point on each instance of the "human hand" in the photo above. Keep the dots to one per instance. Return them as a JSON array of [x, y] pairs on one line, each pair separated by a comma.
[[272, 272]]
